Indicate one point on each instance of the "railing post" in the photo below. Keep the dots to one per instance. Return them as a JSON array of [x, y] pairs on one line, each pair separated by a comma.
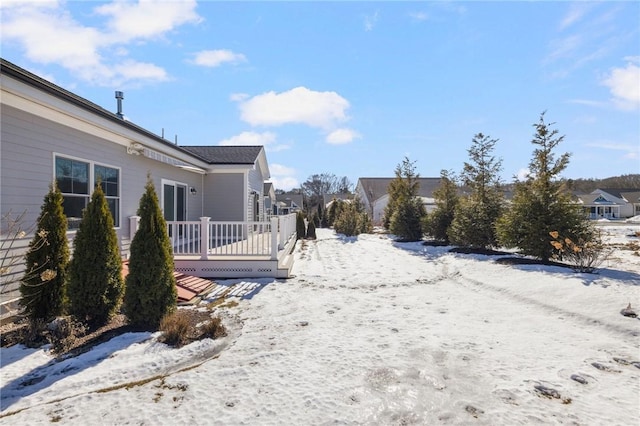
[[274, 238], [204, 238], [134, 221]]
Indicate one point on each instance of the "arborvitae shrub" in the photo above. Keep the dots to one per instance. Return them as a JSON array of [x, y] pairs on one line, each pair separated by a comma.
[[301, 229], [95, 273], [311, 231], [43, 287], [151, 286]]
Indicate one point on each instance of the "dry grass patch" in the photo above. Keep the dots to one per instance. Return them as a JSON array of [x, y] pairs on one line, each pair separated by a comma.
[[187, 325]]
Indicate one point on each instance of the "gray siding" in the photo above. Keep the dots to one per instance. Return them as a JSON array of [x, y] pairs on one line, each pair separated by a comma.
[[27, 147], [224, 198]]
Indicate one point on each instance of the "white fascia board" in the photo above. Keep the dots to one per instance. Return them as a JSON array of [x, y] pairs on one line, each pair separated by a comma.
[[36, 102]]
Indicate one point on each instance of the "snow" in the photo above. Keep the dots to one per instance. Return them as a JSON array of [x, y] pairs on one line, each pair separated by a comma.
[[369, 331]]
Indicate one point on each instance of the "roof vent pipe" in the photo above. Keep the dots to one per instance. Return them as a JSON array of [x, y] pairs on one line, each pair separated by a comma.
[[119, 97]]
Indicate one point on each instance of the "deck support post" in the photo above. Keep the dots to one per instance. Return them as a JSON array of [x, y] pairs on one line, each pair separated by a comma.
[[274, 238], [204, 238]]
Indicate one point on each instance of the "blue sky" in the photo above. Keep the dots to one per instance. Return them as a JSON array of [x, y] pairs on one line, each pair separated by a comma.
[[351, 88]]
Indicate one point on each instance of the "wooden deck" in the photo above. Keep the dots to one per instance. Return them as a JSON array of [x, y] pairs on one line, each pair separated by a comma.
[[190, 289]]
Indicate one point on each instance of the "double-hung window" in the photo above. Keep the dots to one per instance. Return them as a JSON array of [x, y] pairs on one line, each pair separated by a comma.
[[76, 179]]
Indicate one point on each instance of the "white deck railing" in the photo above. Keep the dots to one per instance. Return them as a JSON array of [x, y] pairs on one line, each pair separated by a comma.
[[209, 239]]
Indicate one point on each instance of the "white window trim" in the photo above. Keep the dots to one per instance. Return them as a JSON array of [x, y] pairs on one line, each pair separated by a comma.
[[92, 184], [174, 183]]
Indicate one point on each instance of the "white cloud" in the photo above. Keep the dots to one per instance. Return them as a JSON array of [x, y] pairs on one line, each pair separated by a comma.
[[575, 14], [586, 102], [419, 16], [215, 58], [239, 97], [67, 42], [630, 152], [147, 19], [49, 34], [342, 136], [523, 174], [280, 170], [283, 177], [299, 105], [624, 84], [250, 138], [370, 21]]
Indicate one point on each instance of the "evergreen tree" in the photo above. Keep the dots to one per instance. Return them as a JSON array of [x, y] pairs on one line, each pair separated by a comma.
[[311, 230], [151, 286], [334, 211], [301, 228], [475, 216], [541, 204], [352, 219], [318, 216], [95, 273], [437, 223], [404, 210], [43, 286]]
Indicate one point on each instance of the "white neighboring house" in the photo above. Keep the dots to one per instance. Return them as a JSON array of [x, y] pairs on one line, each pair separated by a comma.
[[373, 194], [611, 203], [210, 195]]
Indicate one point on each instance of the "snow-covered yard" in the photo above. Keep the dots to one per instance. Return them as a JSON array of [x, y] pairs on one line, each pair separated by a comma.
[[370, 332]]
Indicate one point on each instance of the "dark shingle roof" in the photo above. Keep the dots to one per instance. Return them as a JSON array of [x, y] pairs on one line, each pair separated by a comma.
[[222, 154]]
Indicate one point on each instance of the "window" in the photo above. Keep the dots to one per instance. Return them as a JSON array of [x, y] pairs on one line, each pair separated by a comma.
[[76, 178]]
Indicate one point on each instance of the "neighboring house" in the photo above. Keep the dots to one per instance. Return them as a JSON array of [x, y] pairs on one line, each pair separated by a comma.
[[288, 203], [328, 199], [48, 133], [269, 194], [373, 194], [611, 203]]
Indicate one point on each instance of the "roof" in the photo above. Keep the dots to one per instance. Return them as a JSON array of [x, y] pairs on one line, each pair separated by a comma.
[[589, 199], [26, 77], [631, 196], [222, 154], [375, 188], [616, 192], [288, 199], [327, 198]]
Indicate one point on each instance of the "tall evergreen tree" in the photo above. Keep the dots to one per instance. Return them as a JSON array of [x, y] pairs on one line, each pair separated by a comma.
[[43, 287], [151, 286], [404, 211], [541, 204], [437, 223], [475, 216], [95, 273]]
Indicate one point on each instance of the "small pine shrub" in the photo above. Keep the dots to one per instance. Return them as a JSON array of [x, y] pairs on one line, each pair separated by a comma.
[[301, 229], [406, 220], [311, 231]]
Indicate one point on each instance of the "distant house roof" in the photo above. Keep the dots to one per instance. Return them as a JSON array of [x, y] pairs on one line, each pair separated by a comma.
[[221, 154], [375, 188], [593, 199], [290, 200], [327, 198], [632, 196], [616, 192]]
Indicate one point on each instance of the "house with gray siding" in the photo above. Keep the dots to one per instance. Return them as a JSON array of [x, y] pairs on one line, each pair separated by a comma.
[[49, 134]]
